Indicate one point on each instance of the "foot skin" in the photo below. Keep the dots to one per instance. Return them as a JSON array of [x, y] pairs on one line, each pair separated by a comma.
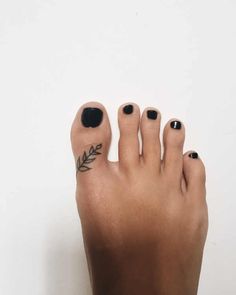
[[144, 219]]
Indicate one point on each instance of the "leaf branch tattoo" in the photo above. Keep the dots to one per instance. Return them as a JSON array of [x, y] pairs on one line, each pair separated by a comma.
[[87, 158]]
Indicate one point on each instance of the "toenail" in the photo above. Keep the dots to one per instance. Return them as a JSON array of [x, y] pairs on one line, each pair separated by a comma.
[[176, 125], [91, 117], [128, 109], [151, 114], [193, 155]]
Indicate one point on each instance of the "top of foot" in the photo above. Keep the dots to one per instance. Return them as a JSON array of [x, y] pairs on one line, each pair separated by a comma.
[[142, 205]]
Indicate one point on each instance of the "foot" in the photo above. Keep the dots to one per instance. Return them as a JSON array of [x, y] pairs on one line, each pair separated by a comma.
[[144, 219]]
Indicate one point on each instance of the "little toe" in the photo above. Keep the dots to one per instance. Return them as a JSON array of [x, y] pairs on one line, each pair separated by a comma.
[[90, 137], [194, 174], [173, 139], [150, 131], [129, 119]]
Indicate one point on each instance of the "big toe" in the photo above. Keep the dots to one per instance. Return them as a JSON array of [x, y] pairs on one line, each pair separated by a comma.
[[90, 137]]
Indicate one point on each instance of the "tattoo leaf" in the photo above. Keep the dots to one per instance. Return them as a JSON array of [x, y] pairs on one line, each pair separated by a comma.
[[87, 158], [91, 150], [84, 168], [90, 160]]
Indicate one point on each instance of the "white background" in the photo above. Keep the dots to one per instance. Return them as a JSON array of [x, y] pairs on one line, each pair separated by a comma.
[[177, 55]]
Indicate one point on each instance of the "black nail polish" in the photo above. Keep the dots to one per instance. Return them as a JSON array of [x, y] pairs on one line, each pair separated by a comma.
[[128, 109], [151, 114], [176, 125], [193, 155], [91, 117]]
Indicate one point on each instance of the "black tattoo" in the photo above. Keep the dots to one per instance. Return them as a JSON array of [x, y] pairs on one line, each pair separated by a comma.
[[87, 158]]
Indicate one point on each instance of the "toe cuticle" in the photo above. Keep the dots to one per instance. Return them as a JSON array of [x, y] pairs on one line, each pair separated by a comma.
[[151, 114], [128, 109], [193, 155], [91, 117], [176, 125]]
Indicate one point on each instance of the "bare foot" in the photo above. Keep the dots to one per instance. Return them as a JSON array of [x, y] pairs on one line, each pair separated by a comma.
[[144, 219]]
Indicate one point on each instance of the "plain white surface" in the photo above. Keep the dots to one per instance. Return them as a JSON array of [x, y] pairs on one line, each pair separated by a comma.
[[178, 56]]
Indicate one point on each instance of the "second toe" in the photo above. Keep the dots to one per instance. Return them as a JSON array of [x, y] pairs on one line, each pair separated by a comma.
[[128, 119]]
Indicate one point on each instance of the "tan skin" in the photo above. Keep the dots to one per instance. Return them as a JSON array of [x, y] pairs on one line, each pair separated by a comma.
[[144, 219]]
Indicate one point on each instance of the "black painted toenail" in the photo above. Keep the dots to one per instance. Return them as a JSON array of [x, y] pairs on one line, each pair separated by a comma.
[[91, 117], [176, 125], [128, 109], [193, 155], [151, 114]]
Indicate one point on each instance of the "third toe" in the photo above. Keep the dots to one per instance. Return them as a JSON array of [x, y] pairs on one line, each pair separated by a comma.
[[150, 131]]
